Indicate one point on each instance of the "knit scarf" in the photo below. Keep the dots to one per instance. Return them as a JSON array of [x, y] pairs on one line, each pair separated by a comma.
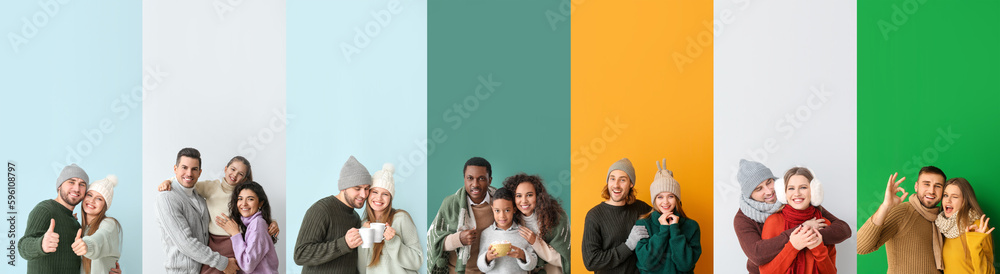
[[930, 214], [757, 211], [949, 226], [794, 218]]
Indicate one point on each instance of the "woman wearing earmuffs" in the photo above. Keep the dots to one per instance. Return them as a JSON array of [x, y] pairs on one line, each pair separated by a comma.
[[805, 251]]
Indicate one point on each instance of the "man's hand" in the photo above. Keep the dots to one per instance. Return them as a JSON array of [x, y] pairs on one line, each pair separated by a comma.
[[79, 247], [815, 223], [232, 267], [50, 240], [468, 236], [527, 234], [891, 200], [164, 186], [353, 238]]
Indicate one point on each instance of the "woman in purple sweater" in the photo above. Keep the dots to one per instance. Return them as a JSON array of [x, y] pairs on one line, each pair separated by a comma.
[[253, 246]]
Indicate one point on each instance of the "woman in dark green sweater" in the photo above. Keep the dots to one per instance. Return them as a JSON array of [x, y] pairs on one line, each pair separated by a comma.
[[674, 242]]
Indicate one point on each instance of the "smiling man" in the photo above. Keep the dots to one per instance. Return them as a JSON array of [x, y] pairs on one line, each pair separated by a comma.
[[183, 218], [912, 241], [52, 227], [453, 238], [609, 231], [757, 202], [329, 237]]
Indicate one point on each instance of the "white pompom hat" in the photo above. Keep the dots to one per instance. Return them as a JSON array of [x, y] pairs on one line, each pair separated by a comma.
[[815, 189], [383, 178], [106, 187]]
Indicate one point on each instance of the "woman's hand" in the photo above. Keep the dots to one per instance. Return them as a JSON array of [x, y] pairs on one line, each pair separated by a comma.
[[663, 219], [984, 223], [491, 254], [800, 237], [389, 233], [816, 240], [527, 234], [164, 186], [672, 219], [227, 224]]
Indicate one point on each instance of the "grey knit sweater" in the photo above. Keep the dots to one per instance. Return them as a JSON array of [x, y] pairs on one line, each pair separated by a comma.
[[505, 264], [183, 218]]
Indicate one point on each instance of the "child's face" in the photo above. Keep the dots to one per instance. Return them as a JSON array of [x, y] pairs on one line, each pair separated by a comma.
[[503, 213]]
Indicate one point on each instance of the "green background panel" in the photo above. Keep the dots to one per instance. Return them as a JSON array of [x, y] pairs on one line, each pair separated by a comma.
[[928, 94]]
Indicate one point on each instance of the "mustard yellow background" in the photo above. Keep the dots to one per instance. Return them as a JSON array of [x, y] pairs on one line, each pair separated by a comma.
[[631, 98]]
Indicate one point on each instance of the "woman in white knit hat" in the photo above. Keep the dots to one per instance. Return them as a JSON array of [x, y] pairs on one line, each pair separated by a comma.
[[399, 251], [674, 243], [99, 239], [805, 251]]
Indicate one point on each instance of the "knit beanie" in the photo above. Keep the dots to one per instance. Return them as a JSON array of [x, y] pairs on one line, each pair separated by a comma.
[[353, 174], [752, 174], [71, 171], [664, 181], [106, 187], [624, 165], [383, 179], [815, 191]]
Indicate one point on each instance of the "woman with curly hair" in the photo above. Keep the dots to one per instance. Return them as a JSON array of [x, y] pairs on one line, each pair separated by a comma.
[[546, 226]]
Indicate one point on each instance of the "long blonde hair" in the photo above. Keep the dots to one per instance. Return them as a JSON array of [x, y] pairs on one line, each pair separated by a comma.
[[90, 228], [969, 211], [387, 216]]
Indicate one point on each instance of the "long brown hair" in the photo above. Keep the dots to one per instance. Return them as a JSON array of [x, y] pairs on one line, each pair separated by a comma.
[[678, 210], [970, 207], [265, 205], [90, 228], [387, 216], [547, 208]]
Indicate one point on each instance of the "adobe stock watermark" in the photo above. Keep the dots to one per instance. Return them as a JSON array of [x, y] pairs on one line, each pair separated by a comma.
[[899, 16], [407, 163], [31, 25], [585, 153], [785, 128], [225, 7], [696, 44], [363, 35], [122, 108], [945, 140], [264, 136], [561, 13]]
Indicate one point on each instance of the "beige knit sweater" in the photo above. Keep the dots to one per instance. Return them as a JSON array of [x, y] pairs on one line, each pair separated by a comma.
[[908, 240]]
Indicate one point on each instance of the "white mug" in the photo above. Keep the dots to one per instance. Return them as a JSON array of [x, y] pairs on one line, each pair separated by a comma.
[[379, 229], [367, 237]]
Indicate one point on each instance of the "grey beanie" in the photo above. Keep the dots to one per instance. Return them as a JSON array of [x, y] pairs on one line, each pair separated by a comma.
[[752, 174], [663, 181], [353, 174], [624, 165], [71, 171]]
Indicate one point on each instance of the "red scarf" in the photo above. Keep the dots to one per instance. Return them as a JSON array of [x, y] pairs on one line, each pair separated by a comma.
[[794, 218]]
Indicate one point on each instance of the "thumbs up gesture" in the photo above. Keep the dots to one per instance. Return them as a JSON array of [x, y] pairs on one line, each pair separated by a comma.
[[50, 240], [79, 247]]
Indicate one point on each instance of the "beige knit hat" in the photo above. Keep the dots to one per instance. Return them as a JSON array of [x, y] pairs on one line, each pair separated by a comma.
[[383, 178], [106, 187], [663, 181]]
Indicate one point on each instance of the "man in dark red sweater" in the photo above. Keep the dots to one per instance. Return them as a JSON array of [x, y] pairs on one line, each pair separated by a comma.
[[757, 202]]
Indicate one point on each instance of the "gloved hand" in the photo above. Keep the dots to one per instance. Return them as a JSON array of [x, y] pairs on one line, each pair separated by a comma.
[[638, 233]]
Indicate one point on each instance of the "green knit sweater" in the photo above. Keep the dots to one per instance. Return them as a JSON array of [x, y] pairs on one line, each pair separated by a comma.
[[321, 246], [63, 260], [557, 238], [670, 248]]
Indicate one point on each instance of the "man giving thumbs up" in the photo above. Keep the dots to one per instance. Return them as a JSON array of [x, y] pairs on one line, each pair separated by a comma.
[[46, 245]]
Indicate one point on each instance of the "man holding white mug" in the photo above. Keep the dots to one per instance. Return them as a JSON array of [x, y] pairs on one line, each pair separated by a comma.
[[329, 235]]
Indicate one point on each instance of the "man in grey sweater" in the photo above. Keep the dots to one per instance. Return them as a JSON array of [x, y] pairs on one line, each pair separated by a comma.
[[183, 218]]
